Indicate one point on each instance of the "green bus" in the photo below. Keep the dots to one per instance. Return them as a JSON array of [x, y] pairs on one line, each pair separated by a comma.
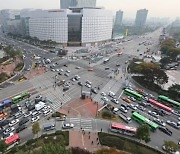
[[141, 119], [166, 100], [20, 97], [134, 94]]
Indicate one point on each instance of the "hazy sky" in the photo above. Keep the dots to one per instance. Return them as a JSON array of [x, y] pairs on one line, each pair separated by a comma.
[[161, 8]]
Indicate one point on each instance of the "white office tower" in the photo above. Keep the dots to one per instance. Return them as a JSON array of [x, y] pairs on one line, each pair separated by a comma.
[[96, 25], [74, 26], [141, 17], [65, 4], [119, 17], [49, 25]]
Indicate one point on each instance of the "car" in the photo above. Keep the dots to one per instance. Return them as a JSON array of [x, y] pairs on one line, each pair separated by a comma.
[[161, 112], [23, 121], [77, 77], [88, 82], [105, 99], [73, 79], [61, 70], [77, 67], [66, 84], [47, 112], [80, 83], [177, 113], [34, 119], [59, 73], [111, 94], [88, 85], [53, 70], [57, 70], [132, 98], [132, 106], [154, 114], [31, 107], [8, 130], [27, 103], [117, 65], [65, 88], [65, 65], [165, 130], [5, 136], [27, 114], [18, 114], [106, 68], [46, 108], [66, 74], [141, 108], [13, 122], [67, 71], [115, 110], [35, 113], [103, 93], [172, 124], [126, 100], [94, 91], [67, 126], [143, 103], [159, 122], [115, 101], [123, 109], [21, 128]]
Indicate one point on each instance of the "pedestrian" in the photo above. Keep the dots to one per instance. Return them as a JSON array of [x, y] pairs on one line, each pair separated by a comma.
[[89, 136], [97, 139], [89, 133], [101, 129], [97, 143], [92, 142]]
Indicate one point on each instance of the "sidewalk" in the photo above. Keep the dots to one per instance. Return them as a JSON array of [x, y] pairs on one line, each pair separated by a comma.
[[85, 140]]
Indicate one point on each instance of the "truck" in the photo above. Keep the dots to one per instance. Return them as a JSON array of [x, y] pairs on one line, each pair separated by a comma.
[[48, 127], [125, 118], [40, 106]]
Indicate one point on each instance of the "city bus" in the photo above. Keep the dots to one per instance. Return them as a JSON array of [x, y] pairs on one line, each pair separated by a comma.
[[159, 105], [166, 100], [134, 94], [20, 97], [12, 141], [122, 129], [141, 119]]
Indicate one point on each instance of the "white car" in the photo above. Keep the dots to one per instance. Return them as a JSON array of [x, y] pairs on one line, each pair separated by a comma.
[[13, 122], [105, 99], [88, 85], [111, 94], [57, 70], [47, 112], [67, 126], [27, 114], [61, 70], [9, 130], [6, 136], [34, 119], [103, 93], [67, 71]]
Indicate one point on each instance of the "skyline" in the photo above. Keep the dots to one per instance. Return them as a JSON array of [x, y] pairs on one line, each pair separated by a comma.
[[170, 7]]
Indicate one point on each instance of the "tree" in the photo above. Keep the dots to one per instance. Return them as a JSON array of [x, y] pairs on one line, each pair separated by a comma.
[[77, 150], [174, 91], [160, 77], [3, 146], [170, 146], [36, 128], [143, 133]]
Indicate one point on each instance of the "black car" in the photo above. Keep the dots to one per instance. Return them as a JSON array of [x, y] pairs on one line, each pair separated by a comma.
[[1, 130], [65, 65], [160, 112], [31, 107], [117, 65], [20, 128], [165, 130], [94, 91], [65, 88], [4, 123], [106, 68], [23, 121], [80, 83]]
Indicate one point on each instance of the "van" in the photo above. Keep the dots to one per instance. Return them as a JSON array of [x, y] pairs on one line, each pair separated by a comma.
[[48, 127]]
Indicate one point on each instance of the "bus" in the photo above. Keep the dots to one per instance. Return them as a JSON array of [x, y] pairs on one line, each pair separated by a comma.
[[12, 141], [141, 119], [159, 105], [166, 100], [20, 97], [122, 129], [134, 94]]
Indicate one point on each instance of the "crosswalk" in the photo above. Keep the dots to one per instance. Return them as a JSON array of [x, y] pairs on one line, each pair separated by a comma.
[[85, 124], [57, 97]]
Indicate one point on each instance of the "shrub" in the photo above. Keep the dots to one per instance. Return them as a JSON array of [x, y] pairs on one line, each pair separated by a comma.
[[107, 114], [3, 77]]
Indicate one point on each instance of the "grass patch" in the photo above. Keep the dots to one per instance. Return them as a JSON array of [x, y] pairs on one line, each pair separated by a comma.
[[3, 77], [59, 137], [19, 67], [125, 144]]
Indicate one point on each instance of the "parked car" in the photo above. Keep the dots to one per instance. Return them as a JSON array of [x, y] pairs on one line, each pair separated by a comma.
[[21, 128], [34, 119], [103, 93], [111, 94], [94, 91], [132, 106], [105, 99], [165, 130], [80, 83], [8, 130], [88, 85], [172, 124], [123, 109], [27, 114], [126, 100], [13, 122], [47, 112], [154, 114], [159, 122], [115, 101], [23, 121]]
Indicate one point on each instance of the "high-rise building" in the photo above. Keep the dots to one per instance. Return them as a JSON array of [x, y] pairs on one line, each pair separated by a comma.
[[141, 17], [118, 19], [65, 4], [74, 26]]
